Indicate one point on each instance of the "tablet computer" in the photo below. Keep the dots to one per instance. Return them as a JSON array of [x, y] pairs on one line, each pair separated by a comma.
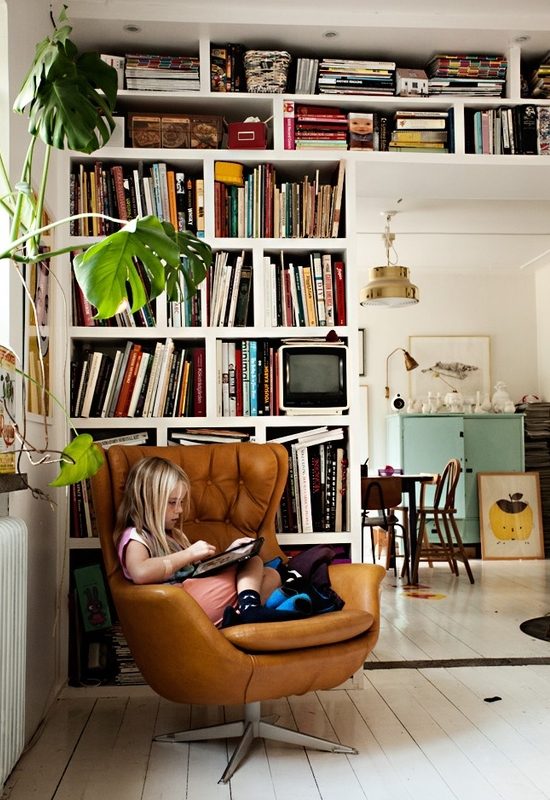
[[232, 556]]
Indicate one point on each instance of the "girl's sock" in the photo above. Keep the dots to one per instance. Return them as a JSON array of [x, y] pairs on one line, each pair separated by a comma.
[[248, 598]]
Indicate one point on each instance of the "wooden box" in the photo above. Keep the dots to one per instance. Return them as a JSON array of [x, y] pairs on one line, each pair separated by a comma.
[[145, 130], [176, 130], [206, 132]]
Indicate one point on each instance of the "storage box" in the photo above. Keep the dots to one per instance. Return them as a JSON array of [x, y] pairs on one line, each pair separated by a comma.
[[266, 70], [229, 172], [206, 132], [247, 136], [176, 130], [144, 130]]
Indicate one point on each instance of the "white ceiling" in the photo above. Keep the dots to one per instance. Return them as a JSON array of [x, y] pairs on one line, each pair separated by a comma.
[[449, 217]]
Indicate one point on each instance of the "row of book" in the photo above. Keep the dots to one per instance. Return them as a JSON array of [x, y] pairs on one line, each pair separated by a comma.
[[316, 497], [305, 294], [148, 379], [265, 206], [229, 287], [123, 193], [310, 126], [517, 130], [246, 380]]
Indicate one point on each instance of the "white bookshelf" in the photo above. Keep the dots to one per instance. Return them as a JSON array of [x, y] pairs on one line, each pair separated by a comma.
[[385, 173]]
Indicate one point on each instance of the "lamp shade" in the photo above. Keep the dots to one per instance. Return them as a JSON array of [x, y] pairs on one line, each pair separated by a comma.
[[389, 286]]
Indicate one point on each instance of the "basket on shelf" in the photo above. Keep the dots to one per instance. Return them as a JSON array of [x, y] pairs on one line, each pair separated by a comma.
[[266, 70]]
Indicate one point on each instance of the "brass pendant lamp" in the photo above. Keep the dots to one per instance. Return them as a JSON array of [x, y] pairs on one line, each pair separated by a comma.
[[390, 285]]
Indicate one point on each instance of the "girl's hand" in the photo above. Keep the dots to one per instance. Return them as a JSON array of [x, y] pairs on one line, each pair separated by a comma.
[[200, 550], [242, 540]]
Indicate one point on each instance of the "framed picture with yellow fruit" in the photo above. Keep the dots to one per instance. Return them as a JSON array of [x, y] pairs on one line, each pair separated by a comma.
[[510, 522]]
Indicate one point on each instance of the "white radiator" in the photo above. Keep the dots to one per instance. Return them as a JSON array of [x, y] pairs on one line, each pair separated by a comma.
[[13, 626]]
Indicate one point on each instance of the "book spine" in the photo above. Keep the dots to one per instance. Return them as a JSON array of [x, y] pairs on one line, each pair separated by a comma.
[[253, 373], [130, 375], [340, 293], [289, 124], [199, 384], [118, 180], [245, 370]]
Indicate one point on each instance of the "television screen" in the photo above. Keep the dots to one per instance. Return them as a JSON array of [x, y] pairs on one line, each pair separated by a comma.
[[312, 378]]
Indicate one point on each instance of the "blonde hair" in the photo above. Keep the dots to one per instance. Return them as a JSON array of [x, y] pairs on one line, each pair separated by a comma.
[[149, 484]]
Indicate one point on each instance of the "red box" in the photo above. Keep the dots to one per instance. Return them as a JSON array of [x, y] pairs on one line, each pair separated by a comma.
[[247, 136]]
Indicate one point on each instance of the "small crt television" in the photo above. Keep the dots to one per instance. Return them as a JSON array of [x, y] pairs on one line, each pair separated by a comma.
[[313, 378]]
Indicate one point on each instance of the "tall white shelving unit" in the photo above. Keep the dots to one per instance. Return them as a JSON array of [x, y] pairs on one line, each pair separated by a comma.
[[386, 174]]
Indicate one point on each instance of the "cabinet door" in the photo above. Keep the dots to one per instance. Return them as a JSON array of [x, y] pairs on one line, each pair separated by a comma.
[[492, 444], [429, 442]]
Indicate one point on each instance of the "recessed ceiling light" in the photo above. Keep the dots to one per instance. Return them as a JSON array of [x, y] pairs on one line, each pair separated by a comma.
[[522, 39], [330, 34], [131, 28]]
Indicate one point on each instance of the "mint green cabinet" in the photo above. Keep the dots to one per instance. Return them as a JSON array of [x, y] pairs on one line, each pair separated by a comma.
[[482, 443]]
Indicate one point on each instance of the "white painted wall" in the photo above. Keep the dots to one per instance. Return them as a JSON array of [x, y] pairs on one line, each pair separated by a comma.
[[542, 289], [500, 306], [28, 23]]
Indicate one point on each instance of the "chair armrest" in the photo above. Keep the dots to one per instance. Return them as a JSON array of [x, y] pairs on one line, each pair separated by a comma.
[[358, 585]]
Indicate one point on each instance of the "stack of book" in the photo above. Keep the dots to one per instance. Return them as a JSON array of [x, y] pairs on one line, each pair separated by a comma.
[[306, 293], [539, 82], [125, 668], [420, 131], [476, 75], [537, 455], [315, 497], [319, 126], [193, 436], [306, 75], [162, 73], [351, 76], [229, 285]]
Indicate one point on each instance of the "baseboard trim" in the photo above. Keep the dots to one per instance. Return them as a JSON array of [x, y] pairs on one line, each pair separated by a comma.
[[457, 662]]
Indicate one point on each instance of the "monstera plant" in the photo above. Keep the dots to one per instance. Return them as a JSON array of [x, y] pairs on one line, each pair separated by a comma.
[[70, 98]]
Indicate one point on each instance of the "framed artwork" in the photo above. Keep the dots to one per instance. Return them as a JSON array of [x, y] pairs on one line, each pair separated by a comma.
[[362, 349], [510, 520], [449, 363]]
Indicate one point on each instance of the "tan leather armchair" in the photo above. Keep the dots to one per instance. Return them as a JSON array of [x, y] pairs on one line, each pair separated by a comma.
[[235, 491]]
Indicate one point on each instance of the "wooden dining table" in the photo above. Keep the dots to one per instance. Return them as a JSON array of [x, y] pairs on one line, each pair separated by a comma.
[[409, 484]]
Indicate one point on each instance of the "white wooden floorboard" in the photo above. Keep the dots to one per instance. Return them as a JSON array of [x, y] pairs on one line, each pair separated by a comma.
[[494, 751], [289, 765], [42, 766], [407, 762], [168, 766]]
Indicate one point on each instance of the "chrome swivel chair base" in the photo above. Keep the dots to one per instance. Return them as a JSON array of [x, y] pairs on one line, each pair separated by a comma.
[[248, 729]]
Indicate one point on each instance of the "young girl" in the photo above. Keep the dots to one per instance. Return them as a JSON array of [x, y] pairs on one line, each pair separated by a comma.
[[153, 549]]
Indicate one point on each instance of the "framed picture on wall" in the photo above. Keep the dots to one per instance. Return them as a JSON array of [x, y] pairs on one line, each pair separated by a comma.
[[450, 363], [510, 515]]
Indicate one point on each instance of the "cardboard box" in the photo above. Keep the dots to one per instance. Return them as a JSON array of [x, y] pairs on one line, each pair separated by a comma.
[[175, 131], [247, 136], [144, 130]]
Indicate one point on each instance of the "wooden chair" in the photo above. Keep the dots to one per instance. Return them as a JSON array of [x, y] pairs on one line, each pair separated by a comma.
[[380, 498], [235, 491], [439, 519]]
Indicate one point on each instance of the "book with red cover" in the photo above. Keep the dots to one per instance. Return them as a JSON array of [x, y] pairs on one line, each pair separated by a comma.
[[339, 293], [288, 124], [118, 180], [125, 393]]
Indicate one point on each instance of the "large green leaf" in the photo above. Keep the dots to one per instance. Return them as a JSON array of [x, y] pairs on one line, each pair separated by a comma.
[[82, 458], [70, 98], [107, 271]]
